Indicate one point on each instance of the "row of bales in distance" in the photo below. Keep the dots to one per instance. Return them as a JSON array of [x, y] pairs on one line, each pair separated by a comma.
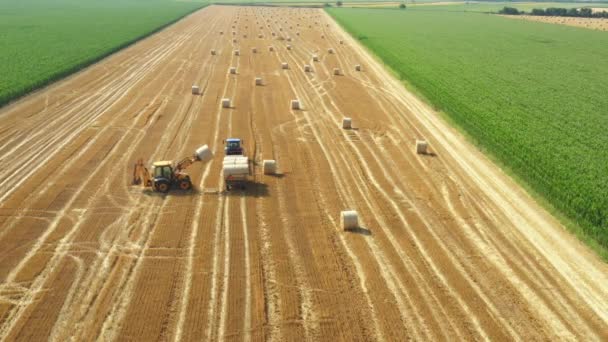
[[349, 218]]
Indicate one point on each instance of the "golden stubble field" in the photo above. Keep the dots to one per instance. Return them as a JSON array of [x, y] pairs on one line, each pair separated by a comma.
[[449, 247], [600, 24]]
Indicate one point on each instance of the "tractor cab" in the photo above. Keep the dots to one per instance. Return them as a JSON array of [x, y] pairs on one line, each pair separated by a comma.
[[233, 147], [163, 176], [163, 169]]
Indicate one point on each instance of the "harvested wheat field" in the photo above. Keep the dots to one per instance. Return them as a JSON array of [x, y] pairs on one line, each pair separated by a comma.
[[599, 24], [445, 245]]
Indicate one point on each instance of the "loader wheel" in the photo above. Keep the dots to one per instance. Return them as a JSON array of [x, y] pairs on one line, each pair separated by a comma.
[[185, 184], [162, 186]]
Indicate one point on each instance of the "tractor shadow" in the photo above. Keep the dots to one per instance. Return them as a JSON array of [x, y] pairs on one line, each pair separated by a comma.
[[248, 189], [173, 193], [359, 230]]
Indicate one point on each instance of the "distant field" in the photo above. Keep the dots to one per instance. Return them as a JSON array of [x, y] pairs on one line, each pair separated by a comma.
[[43, 40], [494, 7], [431, 5], [532, 94]]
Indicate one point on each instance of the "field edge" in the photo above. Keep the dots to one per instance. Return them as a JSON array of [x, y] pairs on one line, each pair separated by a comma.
[[570, 224], [4, 102]]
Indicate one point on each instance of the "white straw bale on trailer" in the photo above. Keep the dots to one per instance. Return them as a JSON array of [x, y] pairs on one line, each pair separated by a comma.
[[336, 71], [358, 67], [347, 123], [330, 50], [307, 68], [237, 53], [349, 219], [226, 103], [235, 170], [421, 146], [196, 90], [234, 160], [284, 65], [269, 166], [203, 153], [295, 104], [258, 81]]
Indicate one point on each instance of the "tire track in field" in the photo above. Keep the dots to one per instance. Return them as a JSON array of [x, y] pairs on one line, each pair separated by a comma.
[[362, 277], [211, 332], [247, 308], [221, 334], [137, 76], [97, 279], [106, 186], [110, 327], [194, 234], [60, 251], [111, 94], [388, 272]]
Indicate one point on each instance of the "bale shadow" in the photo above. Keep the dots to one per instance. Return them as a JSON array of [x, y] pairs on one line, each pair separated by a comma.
[[359, 230], [429, 154], [276, 175]]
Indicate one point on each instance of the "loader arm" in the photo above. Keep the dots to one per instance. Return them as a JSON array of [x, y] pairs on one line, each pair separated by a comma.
[[185, 163]]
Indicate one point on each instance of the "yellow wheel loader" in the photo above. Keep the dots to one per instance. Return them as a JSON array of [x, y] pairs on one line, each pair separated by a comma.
[[166, 175]]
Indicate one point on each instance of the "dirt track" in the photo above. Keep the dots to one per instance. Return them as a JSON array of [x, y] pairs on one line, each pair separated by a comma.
[[449, 247]]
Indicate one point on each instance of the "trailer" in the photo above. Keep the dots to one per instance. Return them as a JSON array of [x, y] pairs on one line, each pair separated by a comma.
[[236, 170]]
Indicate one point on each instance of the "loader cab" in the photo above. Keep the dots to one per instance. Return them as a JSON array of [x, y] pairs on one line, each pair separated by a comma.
[[233, 147], [163, 169]]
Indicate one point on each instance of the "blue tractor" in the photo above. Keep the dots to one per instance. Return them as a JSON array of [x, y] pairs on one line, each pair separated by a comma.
[[233, 147]]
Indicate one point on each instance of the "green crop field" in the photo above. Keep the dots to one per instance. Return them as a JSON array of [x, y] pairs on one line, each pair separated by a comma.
[[534, 95], [43, 40]]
